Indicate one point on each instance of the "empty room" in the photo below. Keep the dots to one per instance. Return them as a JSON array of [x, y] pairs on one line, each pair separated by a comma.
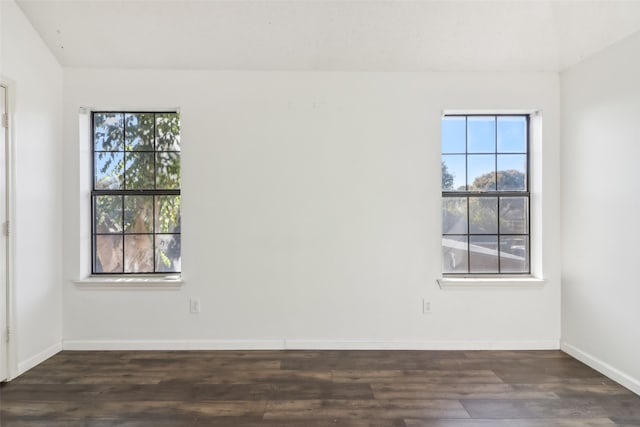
[[319, 213]]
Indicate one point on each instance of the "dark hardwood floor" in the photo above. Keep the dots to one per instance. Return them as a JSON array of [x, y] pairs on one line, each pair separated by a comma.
[[316, 388]]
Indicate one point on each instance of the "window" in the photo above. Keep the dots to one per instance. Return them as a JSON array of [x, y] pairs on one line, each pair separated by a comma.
[[485, 194], [135, 192]]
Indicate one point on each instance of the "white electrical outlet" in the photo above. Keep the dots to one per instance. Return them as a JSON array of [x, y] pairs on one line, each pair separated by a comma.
[[426, 307], [194, 305]]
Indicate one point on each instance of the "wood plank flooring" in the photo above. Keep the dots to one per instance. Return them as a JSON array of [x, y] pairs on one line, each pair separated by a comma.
[[316, 389]]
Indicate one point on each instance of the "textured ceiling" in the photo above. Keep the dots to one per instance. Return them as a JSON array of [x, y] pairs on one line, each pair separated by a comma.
[[387, 35]]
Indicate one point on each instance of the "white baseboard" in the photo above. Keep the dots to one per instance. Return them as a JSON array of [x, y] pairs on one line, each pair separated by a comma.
[[421, 345], [37, 359], [172, 345], [604, 368], [294, 344]]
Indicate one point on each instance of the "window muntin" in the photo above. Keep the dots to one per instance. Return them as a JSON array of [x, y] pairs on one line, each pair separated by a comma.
[[485, 194], [135, 192]]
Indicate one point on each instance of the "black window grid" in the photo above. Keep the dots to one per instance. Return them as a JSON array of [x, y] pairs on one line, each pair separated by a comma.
[[96, 192], [498, 194]]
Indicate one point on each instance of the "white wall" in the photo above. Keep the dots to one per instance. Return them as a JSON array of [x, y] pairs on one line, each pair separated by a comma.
[[311, 213], [600, 210], [35, 85]]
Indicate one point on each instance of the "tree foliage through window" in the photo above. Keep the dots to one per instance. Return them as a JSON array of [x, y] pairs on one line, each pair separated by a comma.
[[136, 192]]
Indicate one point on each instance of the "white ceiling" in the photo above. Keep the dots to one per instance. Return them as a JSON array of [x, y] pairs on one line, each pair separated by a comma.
[[386, 35]]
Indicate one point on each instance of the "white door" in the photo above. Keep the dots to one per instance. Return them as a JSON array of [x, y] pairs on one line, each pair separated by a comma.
[[4, 138]]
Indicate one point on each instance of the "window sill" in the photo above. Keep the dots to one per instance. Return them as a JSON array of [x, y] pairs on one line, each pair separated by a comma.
[[490, 282], [134, 283]]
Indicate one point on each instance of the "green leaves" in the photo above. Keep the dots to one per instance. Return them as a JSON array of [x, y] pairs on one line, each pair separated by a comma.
[[136, 192], [108, 131], [508, 180], [447, 178], [167, 214], [139, 131], [167, 132], [136, 151]]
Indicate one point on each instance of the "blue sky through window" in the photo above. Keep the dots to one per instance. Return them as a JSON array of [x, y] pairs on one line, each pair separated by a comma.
[[512, 134], [481, 134], [473, 146]]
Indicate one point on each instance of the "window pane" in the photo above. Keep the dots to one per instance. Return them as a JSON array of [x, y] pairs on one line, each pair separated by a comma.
[[512, 172], [514, 254], [483, 215], [139, 172], [512, 134], [485, 162], [136, 151], [107, 214], [454, 215], [167, 132], [483, 256], [453, 172], [108, 254], [454, 134], [168, 258], [139, 131], [108, 131], [168, 170], [167, 214], [109, 168], [481, 170], [513, 215], [138, 253], [481, 134], [454, 254], [138, 214]]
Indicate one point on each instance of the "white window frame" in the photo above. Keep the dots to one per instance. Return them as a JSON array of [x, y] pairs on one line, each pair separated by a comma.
[[535, 278], [84, 278]]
